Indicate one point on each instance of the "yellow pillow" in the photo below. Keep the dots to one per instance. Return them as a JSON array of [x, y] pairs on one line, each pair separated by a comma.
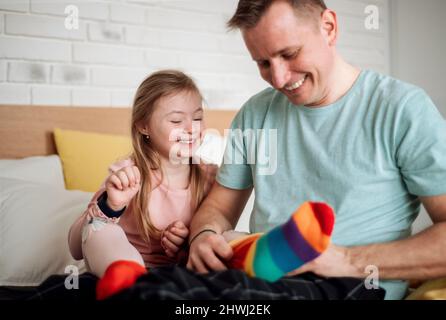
[[86, 156]]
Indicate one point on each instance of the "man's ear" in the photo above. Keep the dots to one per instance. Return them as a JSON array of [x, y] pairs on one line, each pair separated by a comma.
[[329, 27]]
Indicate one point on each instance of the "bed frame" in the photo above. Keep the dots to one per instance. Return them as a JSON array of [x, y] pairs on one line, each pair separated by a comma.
[[28, 130]]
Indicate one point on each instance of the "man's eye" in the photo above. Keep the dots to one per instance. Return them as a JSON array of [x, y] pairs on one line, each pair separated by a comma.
[[290, 55], [263, 64], [199, 119], [176, 122]]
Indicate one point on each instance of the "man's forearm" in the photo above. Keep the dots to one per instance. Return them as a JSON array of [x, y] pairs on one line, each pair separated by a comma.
[[209, 217], [220, 210], [422, 256]]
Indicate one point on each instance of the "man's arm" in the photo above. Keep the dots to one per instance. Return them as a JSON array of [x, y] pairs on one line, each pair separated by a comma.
[[220, 211], [422, 256]]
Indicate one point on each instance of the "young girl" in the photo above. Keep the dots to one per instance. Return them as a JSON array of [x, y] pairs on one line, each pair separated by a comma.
[[140, 216]]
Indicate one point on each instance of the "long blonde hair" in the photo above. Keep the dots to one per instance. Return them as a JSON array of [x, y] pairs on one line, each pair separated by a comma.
[[157, 85]]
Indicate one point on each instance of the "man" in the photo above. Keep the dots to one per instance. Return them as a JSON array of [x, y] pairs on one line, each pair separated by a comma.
[[371, 146]]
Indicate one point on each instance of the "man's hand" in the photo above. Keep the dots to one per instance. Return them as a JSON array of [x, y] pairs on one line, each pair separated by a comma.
[[208, 252], [334, 262], [219, 211]]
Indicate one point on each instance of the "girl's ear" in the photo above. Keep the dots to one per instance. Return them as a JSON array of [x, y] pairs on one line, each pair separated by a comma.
[[143, 129]]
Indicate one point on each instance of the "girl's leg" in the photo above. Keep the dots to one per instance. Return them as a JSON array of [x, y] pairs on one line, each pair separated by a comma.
[[285, 248], [104, 243], [109, 255]]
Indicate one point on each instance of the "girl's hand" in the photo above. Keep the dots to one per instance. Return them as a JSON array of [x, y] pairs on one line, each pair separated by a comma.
[[173, 237], [122, 186]]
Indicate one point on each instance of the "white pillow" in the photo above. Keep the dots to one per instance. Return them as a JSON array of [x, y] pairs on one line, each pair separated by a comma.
[[40, 169], [34, 224]]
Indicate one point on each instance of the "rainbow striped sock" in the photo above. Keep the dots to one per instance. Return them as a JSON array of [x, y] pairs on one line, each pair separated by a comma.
[[285, 248]]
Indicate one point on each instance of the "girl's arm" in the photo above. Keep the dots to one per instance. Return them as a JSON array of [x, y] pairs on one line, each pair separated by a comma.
[[93, 210]]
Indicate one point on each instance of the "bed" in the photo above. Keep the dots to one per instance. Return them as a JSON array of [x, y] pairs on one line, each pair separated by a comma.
[[34, 198]]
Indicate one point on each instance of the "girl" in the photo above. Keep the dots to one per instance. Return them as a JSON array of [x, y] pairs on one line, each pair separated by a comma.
[[140, 216]]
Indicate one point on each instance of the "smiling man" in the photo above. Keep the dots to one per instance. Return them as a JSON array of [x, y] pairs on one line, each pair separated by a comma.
[[372, 147]]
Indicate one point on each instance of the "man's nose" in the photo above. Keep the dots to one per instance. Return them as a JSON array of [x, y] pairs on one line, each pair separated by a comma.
[[279, 75]]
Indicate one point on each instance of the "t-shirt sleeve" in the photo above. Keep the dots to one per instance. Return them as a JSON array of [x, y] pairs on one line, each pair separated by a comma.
[[421, 146], [235, 171]]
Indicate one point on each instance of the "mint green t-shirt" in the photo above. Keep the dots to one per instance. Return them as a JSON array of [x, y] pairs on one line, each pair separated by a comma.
[[369, 155]]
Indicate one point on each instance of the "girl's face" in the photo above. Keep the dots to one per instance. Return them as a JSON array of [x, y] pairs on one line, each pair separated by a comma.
[[176, 125]]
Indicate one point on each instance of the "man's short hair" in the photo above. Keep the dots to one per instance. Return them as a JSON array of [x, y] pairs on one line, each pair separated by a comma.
[[249, 12]]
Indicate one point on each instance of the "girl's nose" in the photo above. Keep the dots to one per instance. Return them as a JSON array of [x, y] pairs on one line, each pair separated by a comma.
[[194, 127]]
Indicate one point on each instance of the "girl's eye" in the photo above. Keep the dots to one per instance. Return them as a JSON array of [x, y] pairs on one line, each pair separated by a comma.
[[176, 122], [200, 119]]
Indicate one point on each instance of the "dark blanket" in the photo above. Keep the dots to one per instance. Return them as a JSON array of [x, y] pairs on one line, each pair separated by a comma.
[[178, 283]]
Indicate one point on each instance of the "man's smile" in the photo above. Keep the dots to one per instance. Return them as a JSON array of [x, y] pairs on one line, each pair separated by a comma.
[[296, 85]]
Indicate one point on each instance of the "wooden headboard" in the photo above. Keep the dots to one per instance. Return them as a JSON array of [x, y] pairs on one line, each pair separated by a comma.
[[28, 130]]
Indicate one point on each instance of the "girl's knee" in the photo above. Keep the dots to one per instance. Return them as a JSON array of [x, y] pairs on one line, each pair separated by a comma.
[[99, 228]]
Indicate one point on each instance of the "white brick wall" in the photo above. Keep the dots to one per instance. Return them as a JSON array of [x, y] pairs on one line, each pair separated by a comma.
[[50, 95], [360, 46], [20, 6], [42, 26], [127, 13], [117, 77], [69, 74], [31, 72], [91, 97], [2, 71], [34, 49], [89, 10], [107, 54], [2, 22], [105, 32], [142, 36], [15, 93], [119, 42], [121, 97]]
